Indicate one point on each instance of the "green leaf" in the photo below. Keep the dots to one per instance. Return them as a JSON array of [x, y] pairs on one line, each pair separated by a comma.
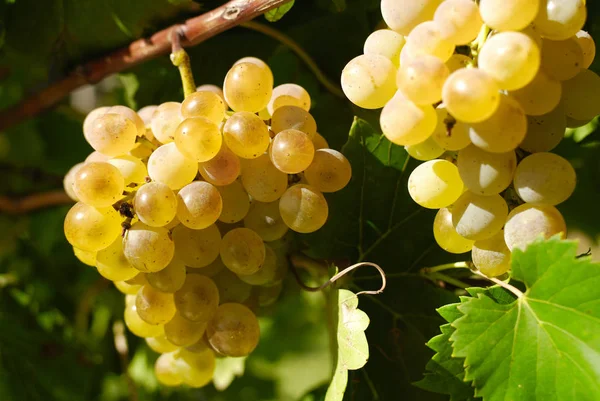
[[277, 13]]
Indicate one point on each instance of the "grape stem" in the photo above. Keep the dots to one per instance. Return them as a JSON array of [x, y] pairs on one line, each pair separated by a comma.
[[478, 43], [447, 266], [518, 293], [181, 60], [33, 202], [123, 351]]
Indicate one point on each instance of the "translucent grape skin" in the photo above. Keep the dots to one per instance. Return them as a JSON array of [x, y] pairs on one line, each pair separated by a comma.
[[491, 256], [236, 202], [446, 236], [320, 142], [459, 21], [478, 217], [132, 169], [427, 38], [369, 81], [544, 132], [386, 43], [242, 251], [424, 151], [588, 47], [293, 117], [291, 151], [303, 208], [526, 223], [134, 322], [204, 104], [164, 370], [267, 273], [165, 120], [541, 96], [231, 288], [289, 95], [155, 204], [435, 184], [234, 330], [183, 332], [508, 15], [450, 134], [196, 369], [131, 286], [217, 90], [169, 279], [160, 344], [223, 169], [248, 87], [246, 135], [486, 173], [265, 219], [98, 184], [262, 180], [422, 78], [198, 138], [169, 166], [148, 249], [69, 182], [85, 257], [112, 134], [471, 95], [581, 96], [405, 123], [562, 59], [197, 248], [560, 19], [88, 122], [146, 114], [153, 306], [198, 299], [329, 171], [402, 16], [199, 205], [112, 263], [91, 229]]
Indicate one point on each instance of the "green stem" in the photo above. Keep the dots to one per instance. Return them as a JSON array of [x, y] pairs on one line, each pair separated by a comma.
[[478, 43], [181, 60], [447, 266], [447, 279]]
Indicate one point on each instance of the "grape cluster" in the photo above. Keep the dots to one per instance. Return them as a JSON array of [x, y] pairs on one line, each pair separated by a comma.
[[185, 206], [482, 92]]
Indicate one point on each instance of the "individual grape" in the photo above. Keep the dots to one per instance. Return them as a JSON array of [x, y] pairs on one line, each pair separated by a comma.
[[214, 268], [267, 273], [183, 332], [199, 205], [422, 78], [216, 90], [293, 117], [320, 142], [223, 169], [197, 248], [231, 287], [134, 322], [169, 279], [69, 182], [329, 171], [435, 184], [544, 132], [544, 178], [426, 150], [262, 180], [169, 166], [131, 115], [588, 46], [148, 249], [508, 15], [127, 288], [236, 202], [581, 96], [289, 95], [402, 16], [291, 151], [405, 123], [198, 299], [562, 59], [132, 169], [369, 81], [471, 95], [478, 217], [491, 256], [91, 229], [85, 257], [526, 223], [248, 86], [450, 134], [265, 220], [204, 104], [88, 123], [139, 280], [541, 96], [486, 173], [96, 156], [303, 208], [112, 263], [146, 114], [153, 306], [386, 43], [242, 251], [246, 135], [268, 295], [155, 204], [111, 134], [165, 120], [198, 138], [531, 32], [457, 62], [164, 370], [234, 330], [427, 38], [560, 19], [196, 369], [199, 346], [160, 344], [459, 21], [98, 184], [446, 236]]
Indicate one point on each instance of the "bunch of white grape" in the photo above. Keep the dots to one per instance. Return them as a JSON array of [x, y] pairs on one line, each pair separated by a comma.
[[185, 207], [482, 92]]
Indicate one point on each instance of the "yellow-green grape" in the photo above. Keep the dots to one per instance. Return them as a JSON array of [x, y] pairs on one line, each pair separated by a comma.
[[196, 369], [183, 332], [153, 306], [132, 116], [329, 171], [160, 344], [449, 133], [422, 78], [458, 61], [69, 182], [562, 59], [320, 142], [581, 96], [223, 169], [265, 220], [560, 19], [142, 151], [148, 249], [146, 114], [216, 90], [427, 38], [541, 96], [426, 150], [267, 273], [98, 184], [486, 173], [211, 270], [369, 81], [291, 151], [198, 299], [402, 16], [491, 256], [165, 120], [478, 217], [527, 222], [459, 21], [140, 280], [248, 87], [544, 178], [169, 279], [268, 295], [169, 166], [197, 248], [91, 117], [155, 204], [544, 132], [126, 288], [231, 287], [446, 236], [288, 95], [588, 46], [165, 370], [242, 251], [234, 330], [236, 202], [508, 15], [199, 346], [85, 257], [246, 135], [386, 43], [405, 123], [112, 134], [112, 263], [199, 205], [303, 208], [198, 138], [132, 169], [531, 32], [204, 104], [134, 322], [262, 180], [471, 95], [91, 229], [293, 117], [96, 156], [435, 184]]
